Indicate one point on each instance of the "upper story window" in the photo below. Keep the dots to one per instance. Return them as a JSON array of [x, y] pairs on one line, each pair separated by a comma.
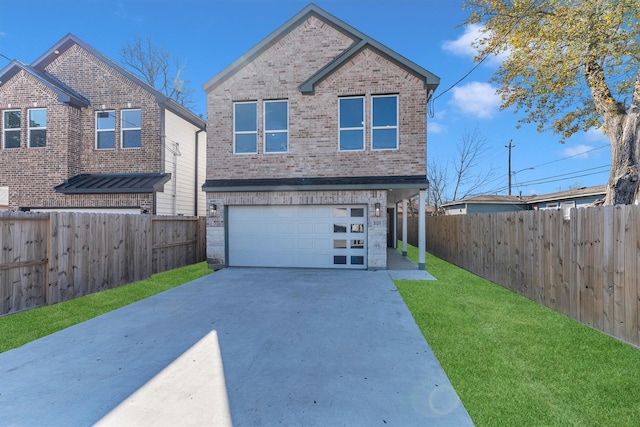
[[37, 127], [131, 125], [276, 126], [384, 122], [351, 123], [11, 129], [106, 130], [245, 127]]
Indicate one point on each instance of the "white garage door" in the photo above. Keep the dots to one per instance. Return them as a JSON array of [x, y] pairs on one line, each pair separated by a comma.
[[298, 236]]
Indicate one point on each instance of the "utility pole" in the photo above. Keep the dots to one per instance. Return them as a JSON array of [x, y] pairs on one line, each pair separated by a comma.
[[510, 146]]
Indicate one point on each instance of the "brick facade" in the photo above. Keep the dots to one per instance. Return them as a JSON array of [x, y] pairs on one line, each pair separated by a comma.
[[32, 173], [313, 119], [277, 68]]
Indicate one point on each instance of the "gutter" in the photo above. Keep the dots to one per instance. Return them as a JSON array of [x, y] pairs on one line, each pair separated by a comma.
[[196, 187]]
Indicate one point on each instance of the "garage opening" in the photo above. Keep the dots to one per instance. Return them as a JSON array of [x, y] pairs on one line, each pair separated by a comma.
[[316, 236]]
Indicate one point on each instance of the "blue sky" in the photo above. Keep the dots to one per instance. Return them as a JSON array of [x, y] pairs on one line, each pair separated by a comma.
[[209, 34]]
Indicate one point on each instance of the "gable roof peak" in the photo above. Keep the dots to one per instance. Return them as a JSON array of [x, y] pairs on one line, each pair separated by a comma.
[[360, 40]]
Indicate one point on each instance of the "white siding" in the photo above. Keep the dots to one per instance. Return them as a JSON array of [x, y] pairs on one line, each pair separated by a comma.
[[180, 161], [4, 198]]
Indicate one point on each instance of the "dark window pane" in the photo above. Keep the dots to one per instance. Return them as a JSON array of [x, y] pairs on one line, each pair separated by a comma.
[[246, 117], [339, 259], [106, 140], [357, 260], [131, 139], [385, 111], [37, 138], [351, 140], [12, 119], [339, 228], [275, 115], [357, 212], [385, 138], [351, 112], [275, 142], [12, 138], [246, 143]]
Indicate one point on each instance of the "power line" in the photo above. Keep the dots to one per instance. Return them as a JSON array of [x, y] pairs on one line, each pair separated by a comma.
[[500, 40], [556, 178]]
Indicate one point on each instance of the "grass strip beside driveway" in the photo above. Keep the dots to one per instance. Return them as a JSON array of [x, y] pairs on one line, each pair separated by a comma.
[[26, 326], [514, 362]]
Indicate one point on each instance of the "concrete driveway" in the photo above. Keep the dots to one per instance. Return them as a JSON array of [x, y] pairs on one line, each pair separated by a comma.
[[255, 347]]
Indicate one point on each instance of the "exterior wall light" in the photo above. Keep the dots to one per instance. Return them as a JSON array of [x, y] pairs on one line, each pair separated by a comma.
[[213, 209], [377, 207]]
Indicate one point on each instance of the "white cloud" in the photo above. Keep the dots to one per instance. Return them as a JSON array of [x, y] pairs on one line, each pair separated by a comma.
[[463, 45], [596, 135], [477, 99], [435, 127], [580, 151]]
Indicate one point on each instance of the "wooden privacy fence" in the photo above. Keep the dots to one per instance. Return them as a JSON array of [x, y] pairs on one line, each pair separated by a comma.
[[47, 258], [586, 266]]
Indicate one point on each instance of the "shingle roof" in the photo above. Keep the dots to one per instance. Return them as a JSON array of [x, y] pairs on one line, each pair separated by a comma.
[[361, 41], [65, 94], [114, 183]]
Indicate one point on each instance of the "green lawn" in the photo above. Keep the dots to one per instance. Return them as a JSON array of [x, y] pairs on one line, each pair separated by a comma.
[[516, 363], [21, 328]]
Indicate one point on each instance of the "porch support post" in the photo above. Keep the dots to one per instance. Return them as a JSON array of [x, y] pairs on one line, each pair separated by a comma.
[[422, 230], [404, 227]]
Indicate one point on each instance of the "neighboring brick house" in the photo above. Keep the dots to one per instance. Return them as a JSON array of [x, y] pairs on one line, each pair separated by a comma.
[[81, 133], [316, 134]]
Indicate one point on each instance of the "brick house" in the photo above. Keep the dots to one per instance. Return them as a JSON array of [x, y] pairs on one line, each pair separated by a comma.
[[319, 132], [81, 133]]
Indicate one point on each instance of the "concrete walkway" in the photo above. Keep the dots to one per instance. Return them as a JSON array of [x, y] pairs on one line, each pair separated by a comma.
[[254, 347]]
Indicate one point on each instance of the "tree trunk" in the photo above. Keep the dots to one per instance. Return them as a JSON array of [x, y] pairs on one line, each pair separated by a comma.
[[622, 126]]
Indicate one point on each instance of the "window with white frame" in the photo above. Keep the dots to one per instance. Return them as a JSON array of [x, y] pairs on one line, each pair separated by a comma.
[[245, 127], [276, 126], [4, 197], [384, 122], [37, 128], [131, 128], [106, 130], [351, 123], [11, 129]]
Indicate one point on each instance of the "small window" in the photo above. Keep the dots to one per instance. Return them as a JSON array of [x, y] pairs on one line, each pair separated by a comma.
[[37, 127], [276, 126], [384, 129], [131, 125], [340, 212], [351, 123], [357, 228], [4, 197], [357, 260], [357, 212], [340, 259], [245, 128], [11, 129], [340, 244], [339, 228], [106, 130]]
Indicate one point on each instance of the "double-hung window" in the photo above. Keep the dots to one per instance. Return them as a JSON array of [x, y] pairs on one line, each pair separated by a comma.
[[37, 127], [106, 130], [131, 125], [384, 122], [245, 127], [11, 129], [276, 126], [351, 123]]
